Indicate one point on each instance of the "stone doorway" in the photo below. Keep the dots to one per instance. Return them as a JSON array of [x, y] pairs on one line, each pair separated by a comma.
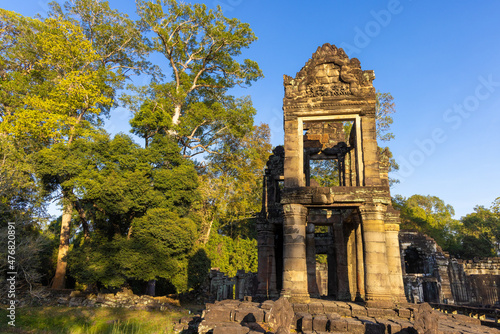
[[329, 174]]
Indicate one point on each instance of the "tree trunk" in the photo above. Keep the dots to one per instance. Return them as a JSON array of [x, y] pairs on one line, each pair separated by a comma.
[[59, 278], [205, 232]]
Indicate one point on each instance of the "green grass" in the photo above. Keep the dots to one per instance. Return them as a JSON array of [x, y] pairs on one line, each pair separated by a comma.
[[86, 320]]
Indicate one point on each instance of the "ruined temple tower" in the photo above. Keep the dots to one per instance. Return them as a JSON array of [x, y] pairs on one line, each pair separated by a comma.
[[326, 192]]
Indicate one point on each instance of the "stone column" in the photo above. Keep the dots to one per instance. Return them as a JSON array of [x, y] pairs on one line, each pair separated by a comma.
[[370, 151], [294, 153], [360, 263], [394, 262], [332, 267], [312, 284], [378, 293], [294, 254], [266, 275], [350, 234], [342, 271]]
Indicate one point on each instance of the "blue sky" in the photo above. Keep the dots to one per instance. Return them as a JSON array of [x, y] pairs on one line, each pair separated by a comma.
[[440, 61]]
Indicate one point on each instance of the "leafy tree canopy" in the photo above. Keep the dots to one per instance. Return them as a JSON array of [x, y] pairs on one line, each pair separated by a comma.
[[429, 215], [201, 47]]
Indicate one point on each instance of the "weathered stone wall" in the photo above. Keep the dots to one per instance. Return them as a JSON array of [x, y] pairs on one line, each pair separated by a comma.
[[425, 269], [431, 275], [482, 280], [223, 287]]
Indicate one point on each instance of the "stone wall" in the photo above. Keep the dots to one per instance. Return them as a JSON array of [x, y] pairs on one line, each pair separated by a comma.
[[482, 280], [431, 275], [223, 287], [425, 269]]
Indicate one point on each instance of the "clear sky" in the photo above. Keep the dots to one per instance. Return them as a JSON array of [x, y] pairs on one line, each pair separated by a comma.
[[440, 61]]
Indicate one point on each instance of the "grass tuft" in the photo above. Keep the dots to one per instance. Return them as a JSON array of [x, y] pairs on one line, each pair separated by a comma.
[[85, 320]]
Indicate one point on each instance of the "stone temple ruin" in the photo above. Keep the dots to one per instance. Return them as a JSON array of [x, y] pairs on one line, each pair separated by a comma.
[[329, 122], [327, 229]]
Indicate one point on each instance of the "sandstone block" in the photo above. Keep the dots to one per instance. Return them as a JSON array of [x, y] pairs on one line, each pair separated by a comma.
[[230, 328], [338, 325], [304, 322], [355, 326], [218, 314], [320, 323], [316, 308]]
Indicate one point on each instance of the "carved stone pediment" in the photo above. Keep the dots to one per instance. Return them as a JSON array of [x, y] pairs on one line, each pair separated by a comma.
[[329, 73]]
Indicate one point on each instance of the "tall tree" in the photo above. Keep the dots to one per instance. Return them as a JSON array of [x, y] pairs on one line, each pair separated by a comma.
[[137, 205], [119, 49], [63, 100], [61, 78], [201, 47]]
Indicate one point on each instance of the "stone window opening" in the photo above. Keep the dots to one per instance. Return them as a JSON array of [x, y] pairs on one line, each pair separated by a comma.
[[414, 261], [327, 147]]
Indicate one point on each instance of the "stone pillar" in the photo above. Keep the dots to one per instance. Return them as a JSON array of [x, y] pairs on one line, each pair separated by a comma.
[[350, 234], [394, 262], [370, 151], [294, 153], [294, 254], [378, 293], [342, 271], [266, 273], [312, 284], [332, 267], [360, 277], [239, 290], [353, 164]]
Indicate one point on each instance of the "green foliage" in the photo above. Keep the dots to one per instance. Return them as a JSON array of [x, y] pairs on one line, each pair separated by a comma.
[[325, 172], [159, 233], [20, 199], [96, 320], [201, 47], [58, 81], [495, 206], [198, 268], [232, 179], [475, 235], [429, 215], [230, 255], [482, 232], [51, 78], [96, 261], [471, 246], [136, 201]]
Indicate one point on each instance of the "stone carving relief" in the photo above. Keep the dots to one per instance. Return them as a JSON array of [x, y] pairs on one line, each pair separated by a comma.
[[329, 72]]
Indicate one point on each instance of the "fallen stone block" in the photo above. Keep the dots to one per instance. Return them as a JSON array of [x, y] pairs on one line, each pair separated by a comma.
[[218, 314], [230, 328]]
